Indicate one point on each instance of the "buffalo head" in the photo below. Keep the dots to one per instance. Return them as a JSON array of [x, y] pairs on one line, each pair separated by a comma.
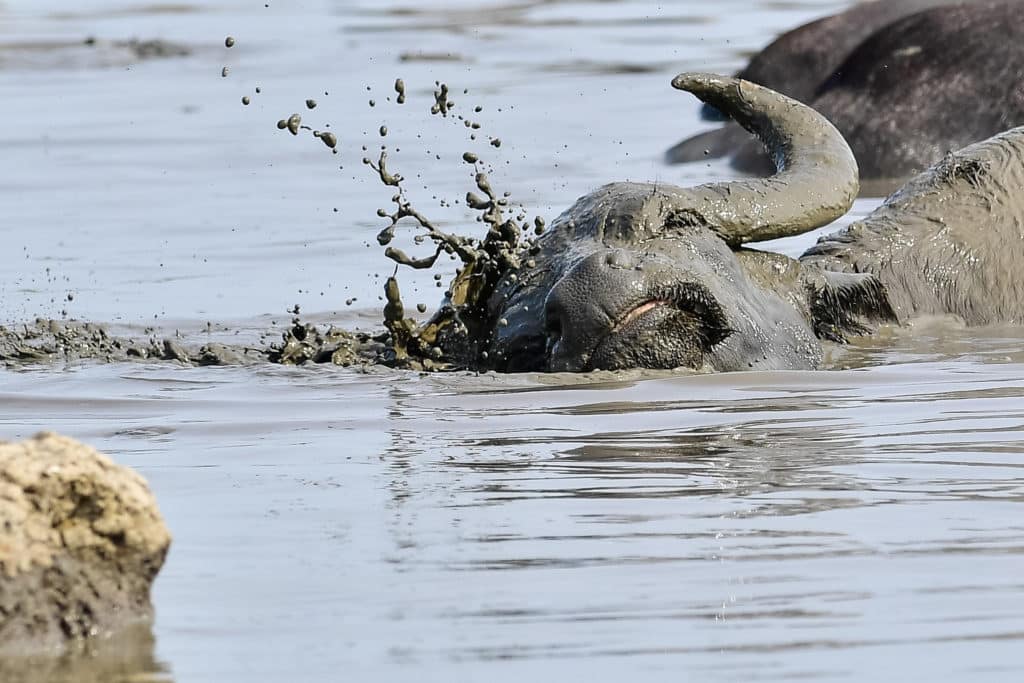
[[656, 276]]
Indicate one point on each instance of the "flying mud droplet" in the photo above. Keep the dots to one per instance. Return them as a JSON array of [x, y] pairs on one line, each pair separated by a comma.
[[224, 72], [310, 104], [383, 131], [373, 103], [441, 102], [495, 142], [470, 158], [400, 89], [422, 308], [381, 168], [474, 201], [282, 124], [229, 42], [329, 139], [293, 123], [246, 100]]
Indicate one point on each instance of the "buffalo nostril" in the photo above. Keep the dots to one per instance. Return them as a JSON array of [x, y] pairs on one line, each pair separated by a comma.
[[552, 323], [553, 328]]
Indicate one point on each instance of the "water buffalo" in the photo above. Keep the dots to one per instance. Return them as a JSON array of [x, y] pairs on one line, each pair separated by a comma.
[[657, 276], [914, 89], [800, 60]]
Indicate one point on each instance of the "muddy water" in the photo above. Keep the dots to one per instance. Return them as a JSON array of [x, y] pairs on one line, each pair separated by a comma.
[[854, 524]]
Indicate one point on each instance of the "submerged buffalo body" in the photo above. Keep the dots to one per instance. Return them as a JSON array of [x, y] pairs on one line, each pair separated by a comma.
[[800, 60], [651, 275], [918, 85]]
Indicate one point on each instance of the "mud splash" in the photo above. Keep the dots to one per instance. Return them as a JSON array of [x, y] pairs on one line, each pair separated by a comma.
[[457, 334], [306, 343]]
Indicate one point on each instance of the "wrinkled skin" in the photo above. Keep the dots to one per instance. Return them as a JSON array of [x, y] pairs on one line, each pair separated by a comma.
[[656, 276], [902, 97]]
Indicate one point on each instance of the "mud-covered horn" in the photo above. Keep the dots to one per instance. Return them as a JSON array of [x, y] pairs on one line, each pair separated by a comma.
[[816, 179]]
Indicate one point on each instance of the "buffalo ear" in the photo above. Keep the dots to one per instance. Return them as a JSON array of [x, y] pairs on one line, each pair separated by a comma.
[[847, 304]]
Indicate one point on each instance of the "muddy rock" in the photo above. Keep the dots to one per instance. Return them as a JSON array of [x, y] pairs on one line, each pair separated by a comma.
[[81, 541]]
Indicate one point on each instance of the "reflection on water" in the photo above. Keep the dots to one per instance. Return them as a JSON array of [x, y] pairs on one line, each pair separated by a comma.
[[840, 524], [854, 524], [777, 517], [128, 658]]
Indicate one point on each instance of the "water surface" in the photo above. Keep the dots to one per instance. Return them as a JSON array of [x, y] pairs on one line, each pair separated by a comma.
[[851, 524]]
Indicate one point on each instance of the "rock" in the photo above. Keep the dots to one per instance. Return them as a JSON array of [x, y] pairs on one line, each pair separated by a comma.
[[81, 540]]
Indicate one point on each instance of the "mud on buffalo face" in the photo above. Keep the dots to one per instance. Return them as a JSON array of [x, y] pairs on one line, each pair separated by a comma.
[[624, 279]]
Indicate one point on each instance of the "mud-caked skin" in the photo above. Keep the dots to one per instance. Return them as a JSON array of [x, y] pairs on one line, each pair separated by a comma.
[[914, 88], [656, 276], [623, 279], [949, 242]]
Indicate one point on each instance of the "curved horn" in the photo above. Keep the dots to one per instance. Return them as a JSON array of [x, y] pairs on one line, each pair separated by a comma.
[[816, 179]]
